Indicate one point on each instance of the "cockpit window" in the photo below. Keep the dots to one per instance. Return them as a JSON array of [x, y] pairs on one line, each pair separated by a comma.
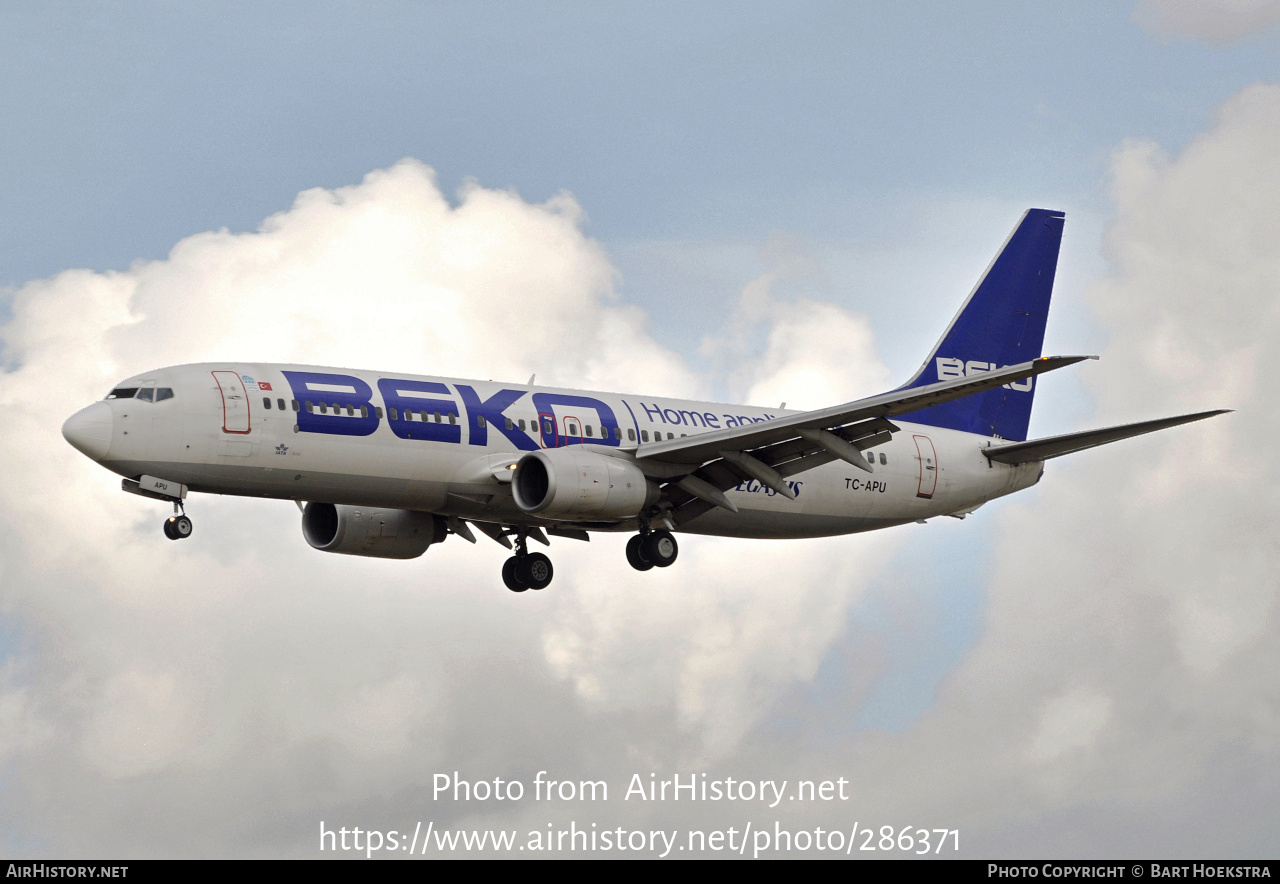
[[147, 394], [164, 393], [123, 393]]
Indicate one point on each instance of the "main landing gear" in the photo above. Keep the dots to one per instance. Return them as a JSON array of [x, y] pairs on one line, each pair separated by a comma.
[[526, 570], [655, 548], [177, 526]]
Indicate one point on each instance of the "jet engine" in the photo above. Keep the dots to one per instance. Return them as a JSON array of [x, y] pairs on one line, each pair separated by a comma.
[[370, 531], [577, 483]]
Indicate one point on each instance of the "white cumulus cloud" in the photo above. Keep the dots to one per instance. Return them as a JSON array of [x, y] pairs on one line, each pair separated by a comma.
[[225, 694]]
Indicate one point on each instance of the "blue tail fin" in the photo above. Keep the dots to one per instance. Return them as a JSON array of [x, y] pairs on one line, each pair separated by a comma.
[[1001, 323]]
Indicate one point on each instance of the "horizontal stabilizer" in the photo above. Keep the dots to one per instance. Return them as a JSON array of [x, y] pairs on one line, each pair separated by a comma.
[[1056, 446]]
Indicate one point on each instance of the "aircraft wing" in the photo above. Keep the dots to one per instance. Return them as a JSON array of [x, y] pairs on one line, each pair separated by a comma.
[[1056, 446], [704, 446], [700, 468]]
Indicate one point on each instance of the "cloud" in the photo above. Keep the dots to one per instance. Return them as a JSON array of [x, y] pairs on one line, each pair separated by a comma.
[[1129, 649], [225, 694], [1216, 22], [806, 353]]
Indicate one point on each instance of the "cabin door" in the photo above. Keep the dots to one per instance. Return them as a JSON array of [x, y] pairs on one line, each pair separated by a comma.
[[928, 467], [235, 402]]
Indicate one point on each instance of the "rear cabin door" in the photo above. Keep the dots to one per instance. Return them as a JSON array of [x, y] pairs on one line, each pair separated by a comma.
[[235, 402], [928, 467]]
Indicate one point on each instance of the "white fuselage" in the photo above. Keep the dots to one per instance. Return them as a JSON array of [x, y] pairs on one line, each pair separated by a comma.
[[214, 437]]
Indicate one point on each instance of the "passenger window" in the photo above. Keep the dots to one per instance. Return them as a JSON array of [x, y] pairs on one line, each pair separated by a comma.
[[266, 402], [546, 428], [297, 405], [164, 393], [480, 421], [279, 403], [871, 458], [644, 435], [510, 426], [590, 430], [324, 408], [364, 411], [351, 412], [147, 394], [670, 436], [377, 409], [310, 407], [884, 461], [453, 418], [631, 435], [395, 415], [522, 423]]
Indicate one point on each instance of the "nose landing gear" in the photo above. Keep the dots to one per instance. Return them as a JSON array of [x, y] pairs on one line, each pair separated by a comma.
[[177, 526], [526, 570]]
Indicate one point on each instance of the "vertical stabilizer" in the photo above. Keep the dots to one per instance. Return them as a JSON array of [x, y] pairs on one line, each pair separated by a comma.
[[1001, 323]]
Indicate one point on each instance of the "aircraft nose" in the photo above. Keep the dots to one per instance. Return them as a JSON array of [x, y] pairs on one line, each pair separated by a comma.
[[89, 430]]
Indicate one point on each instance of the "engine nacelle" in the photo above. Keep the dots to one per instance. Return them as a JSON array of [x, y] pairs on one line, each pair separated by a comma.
[[577, 483], [371, 531]]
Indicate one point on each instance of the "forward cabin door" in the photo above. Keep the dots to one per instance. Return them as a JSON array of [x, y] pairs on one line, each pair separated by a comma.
[[235, 402], [928, 467], [548, 433]]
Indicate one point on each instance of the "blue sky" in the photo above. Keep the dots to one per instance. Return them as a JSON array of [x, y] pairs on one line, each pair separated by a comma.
[[889, 148], [895, 147], [127, 126]]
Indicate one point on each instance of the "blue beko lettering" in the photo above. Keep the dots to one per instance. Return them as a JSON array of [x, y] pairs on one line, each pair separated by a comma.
[[546, 404], [343, 393], [403, 398], [491, 410]]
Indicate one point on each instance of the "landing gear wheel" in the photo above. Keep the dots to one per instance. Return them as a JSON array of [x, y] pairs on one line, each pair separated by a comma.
[[177, 527], [660, 548], [635, 554], [511, 577], [535, 570]]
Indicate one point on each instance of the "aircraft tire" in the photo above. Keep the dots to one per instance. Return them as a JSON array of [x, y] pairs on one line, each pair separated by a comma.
[[660, 548], [510, 576], [535, 570], [182, 527], [635, 554], [169, 531]]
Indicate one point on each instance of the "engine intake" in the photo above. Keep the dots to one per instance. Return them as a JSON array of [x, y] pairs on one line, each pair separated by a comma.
[[365, 531], [576, 483]]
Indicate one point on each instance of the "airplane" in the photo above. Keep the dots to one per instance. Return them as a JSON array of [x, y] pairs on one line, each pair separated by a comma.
[[387, 465]]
